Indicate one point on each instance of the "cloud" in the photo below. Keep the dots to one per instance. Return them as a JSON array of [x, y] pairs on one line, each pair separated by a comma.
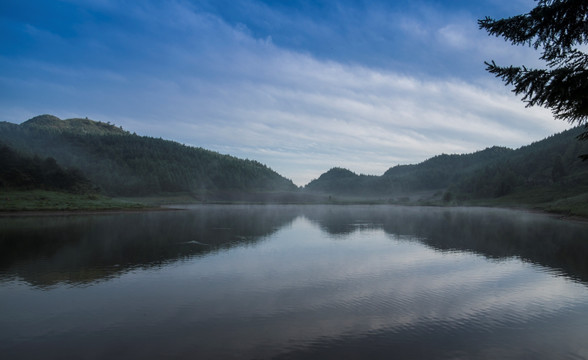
[[454, 36], [174, 71]]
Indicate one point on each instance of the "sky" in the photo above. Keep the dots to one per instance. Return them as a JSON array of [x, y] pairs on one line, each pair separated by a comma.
[[299, 85]]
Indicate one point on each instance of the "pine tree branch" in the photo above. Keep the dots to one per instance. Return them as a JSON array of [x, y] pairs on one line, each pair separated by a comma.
[[557, 26], [563, 90]]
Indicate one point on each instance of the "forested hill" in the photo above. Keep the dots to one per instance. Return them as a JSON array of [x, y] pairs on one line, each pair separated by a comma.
[[18, 172], [126, 164], [493, 172]]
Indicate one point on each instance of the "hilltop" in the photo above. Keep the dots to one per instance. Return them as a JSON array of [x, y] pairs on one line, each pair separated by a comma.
[[78, 126]]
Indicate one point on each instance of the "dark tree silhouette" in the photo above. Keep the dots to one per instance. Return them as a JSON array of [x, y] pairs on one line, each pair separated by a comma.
[[559, 28]]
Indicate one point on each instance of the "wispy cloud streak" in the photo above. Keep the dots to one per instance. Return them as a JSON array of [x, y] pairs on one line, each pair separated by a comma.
[[180, 71]]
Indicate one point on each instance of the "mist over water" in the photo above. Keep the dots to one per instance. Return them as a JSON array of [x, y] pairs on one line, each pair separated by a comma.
[[294, 282]]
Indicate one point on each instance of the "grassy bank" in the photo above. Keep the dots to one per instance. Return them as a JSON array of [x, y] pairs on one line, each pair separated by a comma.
[[558, 200], [42, 200]]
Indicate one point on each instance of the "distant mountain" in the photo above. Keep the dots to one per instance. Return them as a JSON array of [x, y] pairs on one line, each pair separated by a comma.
[[436, 173], [126, 164], [493, 172], [339, 181]]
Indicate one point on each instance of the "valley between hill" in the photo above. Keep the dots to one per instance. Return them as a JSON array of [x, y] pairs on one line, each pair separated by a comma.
[[81, 164]]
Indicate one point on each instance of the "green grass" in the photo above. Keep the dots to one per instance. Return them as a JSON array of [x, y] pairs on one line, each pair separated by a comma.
[[559, 200], [568, 202], [42, 200], [574, 206]]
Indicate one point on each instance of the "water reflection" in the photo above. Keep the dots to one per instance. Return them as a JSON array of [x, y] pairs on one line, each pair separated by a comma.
[[295, 282], [494, 233], [78, 249], [45, 251]]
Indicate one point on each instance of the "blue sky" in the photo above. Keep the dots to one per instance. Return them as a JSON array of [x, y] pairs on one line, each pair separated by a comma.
[[301, 86]]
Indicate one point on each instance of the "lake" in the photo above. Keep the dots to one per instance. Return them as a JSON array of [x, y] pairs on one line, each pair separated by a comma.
[[294, 282]]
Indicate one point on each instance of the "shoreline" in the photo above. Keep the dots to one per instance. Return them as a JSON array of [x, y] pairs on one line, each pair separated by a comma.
[[177, 207], [39, 213]]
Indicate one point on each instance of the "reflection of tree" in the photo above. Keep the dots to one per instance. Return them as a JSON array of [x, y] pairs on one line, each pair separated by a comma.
[[490, 232], [342, 220], [335, 220], [82, 249]]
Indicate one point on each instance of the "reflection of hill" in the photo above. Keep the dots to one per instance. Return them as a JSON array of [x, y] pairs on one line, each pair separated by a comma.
[[492, 233], [50, 250], [81, 249], [343, 220]]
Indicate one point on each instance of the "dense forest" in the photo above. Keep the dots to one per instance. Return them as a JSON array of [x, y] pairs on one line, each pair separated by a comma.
[[18, 172], [490, 173], [125, 164], [83, 155]]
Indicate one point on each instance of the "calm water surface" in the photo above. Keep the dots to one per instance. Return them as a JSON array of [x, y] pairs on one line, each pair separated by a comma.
[[323, 282]]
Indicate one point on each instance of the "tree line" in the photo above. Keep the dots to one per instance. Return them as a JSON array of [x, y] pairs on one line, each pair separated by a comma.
[[20, 172], [490, 173]]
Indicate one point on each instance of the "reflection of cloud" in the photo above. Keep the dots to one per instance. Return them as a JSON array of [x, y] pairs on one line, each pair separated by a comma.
[[365, 285], [299, 289]]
